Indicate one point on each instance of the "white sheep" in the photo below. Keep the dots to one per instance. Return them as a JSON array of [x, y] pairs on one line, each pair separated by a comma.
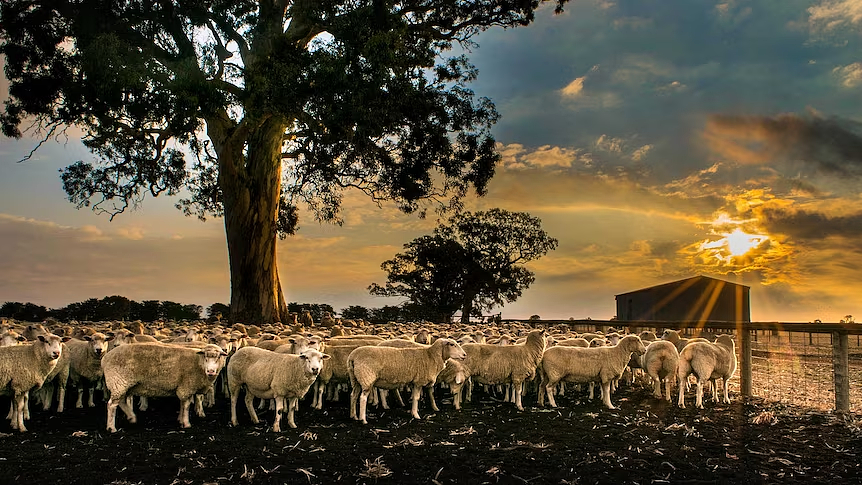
[[85, 362], [593, 364], [491, 364], [392, 368], [25, 367], [660, 363], [454, 375], [334, 372], [153, 370], [270, 375], [707, 361], [11, 337]]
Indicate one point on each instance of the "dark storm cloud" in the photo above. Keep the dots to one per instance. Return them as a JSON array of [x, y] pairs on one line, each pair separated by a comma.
[[812, 225], [832, 146]]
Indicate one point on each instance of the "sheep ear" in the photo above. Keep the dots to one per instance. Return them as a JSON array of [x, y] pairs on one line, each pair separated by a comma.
[[223, 353], [110, 334], [21, 338], [201, 352], [303, 356], [65, 339], [87, 338], [292, 340], [42, 338], [325, 356]]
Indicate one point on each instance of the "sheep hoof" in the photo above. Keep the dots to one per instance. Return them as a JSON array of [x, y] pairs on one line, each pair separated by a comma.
[[112, 430]]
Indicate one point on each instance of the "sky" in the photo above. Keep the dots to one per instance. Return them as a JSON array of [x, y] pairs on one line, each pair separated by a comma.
[[655, 139]]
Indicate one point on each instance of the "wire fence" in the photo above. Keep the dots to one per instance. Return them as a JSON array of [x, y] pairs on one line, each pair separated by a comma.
[[796, 364]]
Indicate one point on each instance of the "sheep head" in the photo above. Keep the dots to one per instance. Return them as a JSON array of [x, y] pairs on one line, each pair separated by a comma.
[[451, 349], [313, 361]]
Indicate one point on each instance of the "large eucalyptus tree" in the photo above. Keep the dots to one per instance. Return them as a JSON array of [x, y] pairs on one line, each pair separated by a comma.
[[249, 108]]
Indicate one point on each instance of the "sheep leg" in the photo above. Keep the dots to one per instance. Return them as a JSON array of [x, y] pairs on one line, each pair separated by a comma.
[[518, 389], [314, 398], [291, 409], [18, 415], [210, 398], [726, 388], [592, 386], [699, 399], [144, 404], [354, 400], [199, 406], [383, 394], [279, 408], [549, 390], [456, 399], [112, 415], [606, 394], [234, 397], [47, 396], [61, 396], [398, 396], [319, 389], [363, 404], [26, 405], [656, 392], [126, 405], [80, 403], [417, 392], [91, 402], [668, 385], [431, 398], [249, 405], [185, 404], [11, 414]]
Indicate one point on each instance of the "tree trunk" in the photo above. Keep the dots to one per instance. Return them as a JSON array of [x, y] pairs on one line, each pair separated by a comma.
[[251, 195], [467, 308]]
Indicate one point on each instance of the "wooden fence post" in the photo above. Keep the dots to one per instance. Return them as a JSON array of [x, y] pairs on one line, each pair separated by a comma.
[[745, 364], [841, 371]]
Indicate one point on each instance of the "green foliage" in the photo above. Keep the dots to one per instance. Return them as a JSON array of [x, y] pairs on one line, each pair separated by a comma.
[[474, 262], [28, 312], [373, 104], [356, 312], [317, 309], [219, 310]]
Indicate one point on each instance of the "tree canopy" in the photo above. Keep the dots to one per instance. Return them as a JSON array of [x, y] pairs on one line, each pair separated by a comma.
[[474, 262], [255, 108]]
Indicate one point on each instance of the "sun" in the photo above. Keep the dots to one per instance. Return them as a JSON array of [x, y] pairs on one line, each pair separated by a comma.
[[740, 242]]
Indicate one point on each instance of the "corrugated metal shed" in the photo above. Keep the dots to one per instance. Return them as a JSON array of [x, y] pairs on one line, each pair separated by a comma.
[[698, 298]]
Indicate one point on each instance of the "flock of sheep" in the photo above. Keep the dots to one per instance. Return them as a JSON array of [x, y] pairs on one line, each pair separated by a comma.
[[279, 364]]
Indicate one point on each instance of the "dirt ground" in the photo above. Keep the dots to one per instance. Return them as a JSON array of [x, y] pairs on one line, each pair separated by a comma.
[[645, 441]]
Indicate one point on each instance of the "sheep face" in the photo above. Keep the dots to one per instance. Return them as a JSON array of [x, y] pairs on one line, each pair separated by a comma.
[[633, 343], [51, 345], [11, 338], [313, 361], [98, 344], [451, 350], [212, 359]]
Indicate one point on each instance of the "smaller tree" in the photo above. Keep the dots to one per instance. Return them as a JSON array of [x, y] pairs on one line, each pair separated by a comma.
[[356, 312], [473, 263], [219, 311]]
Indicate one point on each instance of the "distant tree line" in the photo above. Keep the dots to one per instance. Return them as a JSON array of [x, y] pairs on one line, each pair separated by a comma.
[[108, 308], [121, 308]]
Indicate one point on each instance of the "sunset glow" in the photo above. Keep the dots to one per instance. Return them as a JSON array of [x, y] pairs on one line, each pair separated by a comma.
[[740, 242], [656, 141]]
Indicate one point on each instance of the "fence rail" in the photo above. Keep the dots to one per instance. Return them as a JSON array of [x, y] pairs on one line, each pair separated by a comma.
[[785, 361]]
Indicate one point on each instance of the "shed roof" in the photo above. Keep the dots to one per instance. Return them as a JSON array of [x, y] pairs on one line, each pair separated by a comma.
[[678, 282]]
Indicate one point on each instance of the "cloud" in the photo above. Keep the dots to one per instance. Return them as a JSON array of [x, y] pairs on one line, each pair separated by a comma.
[[830, 145], [574, 88], [805, 225], [850, 75], [832, 14]]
